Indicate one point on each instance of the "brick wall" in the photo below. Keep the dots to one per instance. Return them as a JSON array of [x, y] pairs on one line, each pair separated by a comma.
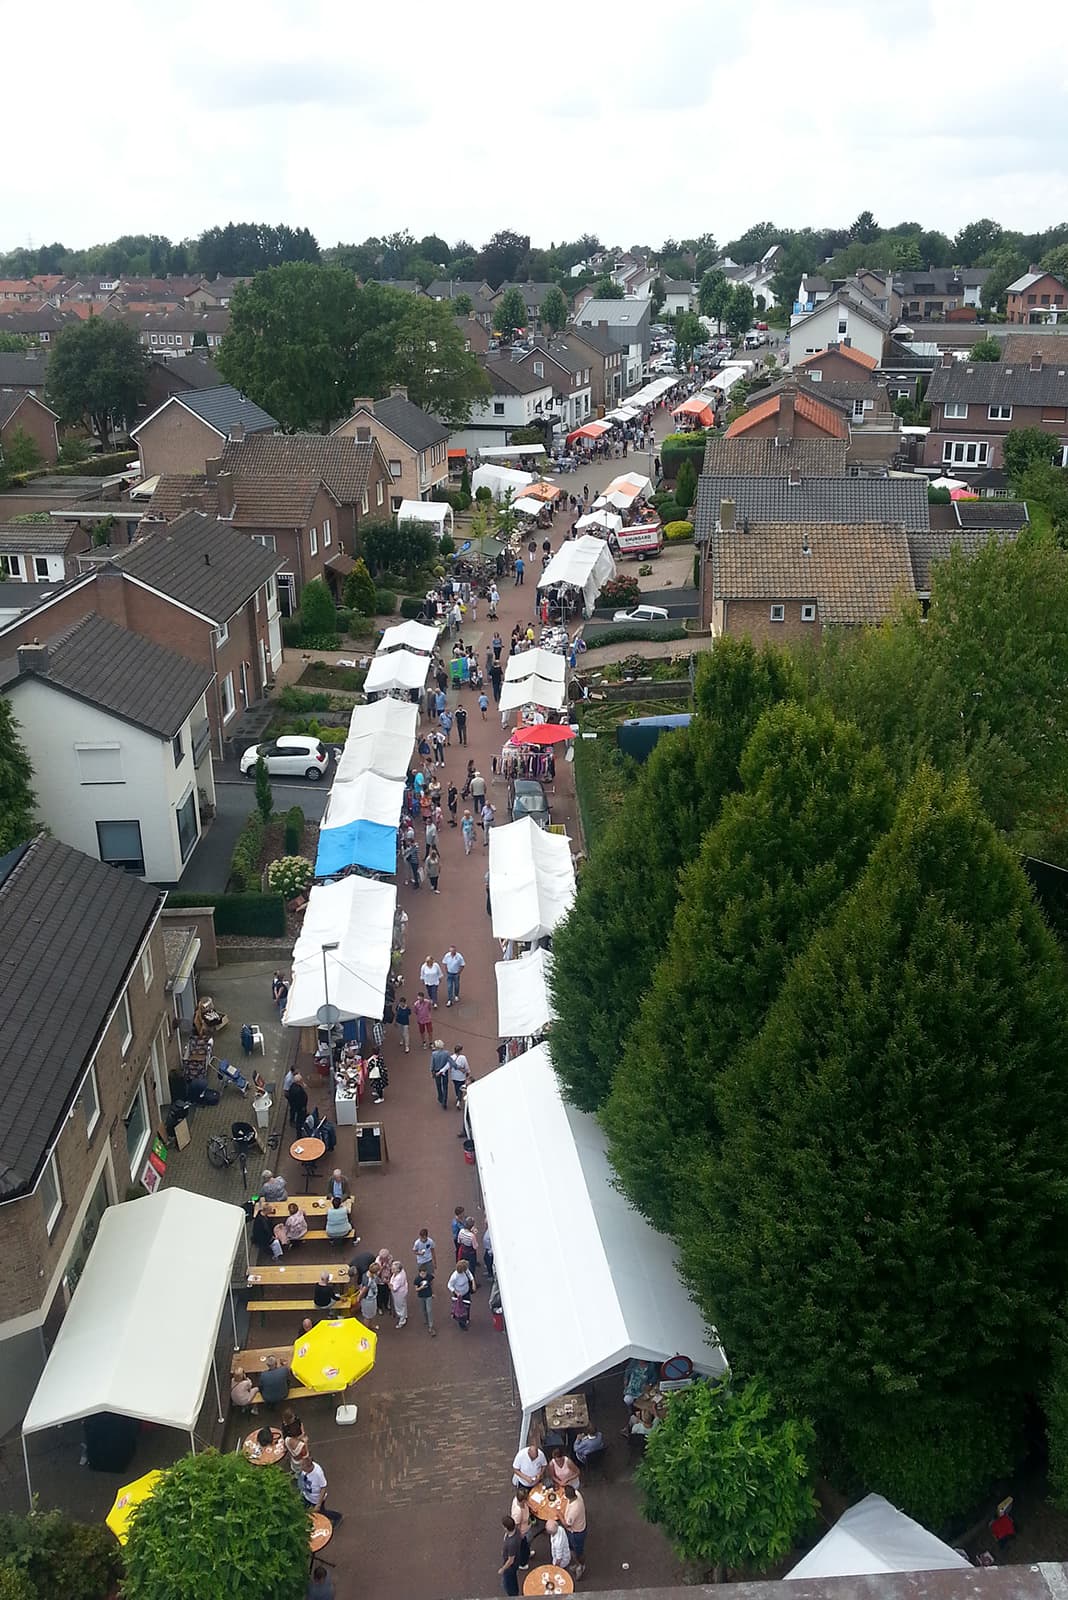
[[176, 441], [751, 619], [39, 424]]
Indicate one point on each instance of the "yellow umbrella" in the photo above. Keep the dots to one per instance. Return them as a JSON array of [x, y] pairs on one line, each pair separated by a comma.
[[334, 1354], [118, 1518]]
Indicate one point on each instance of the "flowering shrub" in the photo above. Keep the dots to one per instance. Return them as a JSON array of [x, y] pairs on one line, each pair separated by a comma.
[[289, 875]]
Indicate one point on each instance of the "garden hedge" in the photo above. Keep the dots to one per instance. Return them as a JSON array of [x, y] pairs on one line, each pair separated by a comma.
[[676, 532], [260, 915], [294, 830], [245, 861]]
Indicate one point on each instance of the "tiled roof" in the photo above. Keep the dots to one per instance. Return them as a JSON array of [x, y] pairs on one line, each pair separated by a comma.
[[1011, 514], [1021, 344], [70, 930], [805, 406], [273, 500], [24, 369], [1028, 281], [928, 548], [854, 574], [35, 538], [342, 464], [848, 351], [1001, 383], [11, 399], [409, 422], [448, 289], [763, 458], [901, 501], [201, 563], [196, 370], [224, 408], [177, 492], [126, 674], [513, 377]]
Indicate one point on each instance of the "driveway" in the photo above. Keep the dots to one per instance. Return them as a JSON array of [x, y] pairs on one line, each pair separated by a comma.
[[235, 800]]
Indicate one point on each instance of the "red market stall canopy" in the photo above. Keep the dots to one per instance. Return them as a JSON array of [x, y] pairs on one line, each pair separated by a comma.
[[698, 408], [590, 430], [543, 733]]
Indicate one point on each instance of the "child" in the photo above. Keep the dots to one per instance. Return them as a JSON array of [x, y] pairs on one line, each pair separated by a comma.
[[483, 704]]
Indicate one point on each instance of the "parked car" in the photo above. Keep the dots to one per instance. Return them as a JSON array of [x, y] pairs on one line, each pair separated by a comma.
[[642, 614], [529, 800], [291, 756]]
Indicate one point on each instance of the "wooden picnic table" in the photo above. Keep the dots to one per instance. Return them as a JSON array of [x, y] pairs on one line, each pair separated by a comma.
[[300, 1276], [314, 1207]]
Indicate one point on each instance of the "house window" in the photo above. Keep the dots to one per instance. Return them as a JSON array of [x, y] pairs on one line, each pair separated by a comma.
[[186, 817], [147, 970], [539, 369], [842, 327], [1052, 413], [136, 1124], [270, 594], [153, 338], [379, 492], [396, 502], [126, 1018], [313, 541], [999, 413], [808, 613], [40, 568], [363, 503], [178, 749], [11, 566], [956, 408], [815, 375], [226, 689], [858, 410], [44, 337], [327, 533], [91, 1101], [222, 634], [51, 1194], [266, 539], [99, 763], [120, 845], [778, 613], [965, 453], [498, 408], [395, 469]]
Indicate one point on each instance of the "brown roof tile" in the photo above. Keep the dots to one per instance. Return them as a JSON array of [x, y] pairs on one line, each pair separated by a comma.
[[342, 464], [763, 458], [273, 500], [849, 351], [854, 574], [811, 410]]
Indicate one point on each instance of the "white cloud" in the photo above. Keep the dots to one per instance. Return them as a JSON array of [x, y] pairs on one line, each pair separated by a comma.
[[628, 120]]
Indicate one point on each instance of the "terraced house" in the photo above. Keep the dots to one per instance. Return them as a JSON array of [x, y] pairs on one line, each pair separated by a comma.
[[975, 404]]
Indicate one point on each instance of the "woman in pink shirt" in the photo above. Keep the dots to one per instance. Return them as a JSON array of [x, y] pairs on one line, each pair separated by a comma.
[[423, 1013]]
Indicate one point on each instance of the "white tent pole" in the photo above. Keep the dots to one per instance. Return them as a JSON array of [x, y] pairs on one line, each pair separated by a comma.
[[26, 1464], [524, 1428], [218, 1396], [192, 1443], [233, 1313]]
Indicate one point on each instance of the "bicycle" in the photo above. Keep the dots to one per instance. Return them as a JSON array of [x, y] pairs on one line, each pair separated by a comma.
[[223, 1151]]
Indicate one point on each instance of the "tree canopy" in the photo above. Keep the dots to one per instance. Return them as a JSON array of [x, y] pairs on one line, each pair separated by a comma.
[[988, 349], [1024, 448], [97, 375], [510, 313], [554, 310]]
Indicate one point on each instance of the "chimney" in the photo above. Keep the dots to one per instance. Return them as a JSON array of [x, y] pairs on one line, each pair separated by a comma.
[[237, 433], [362, 402], [726, 516], [848, 341], [947, 358], [785, 430], [1036, 361], [33, 657], [398, 391], [211, 468], [226, 494]]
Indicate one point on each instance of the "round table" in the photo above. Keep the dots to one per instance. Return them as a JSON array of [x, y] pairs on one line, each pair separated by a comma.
[[545, 1501], [264, 1455], [307, 1150], [548, 1580], [320, 1533]]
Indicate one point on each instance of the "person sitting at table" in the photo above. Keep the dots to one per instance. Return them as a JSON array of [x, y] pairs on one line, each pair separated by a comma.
[[528, 1468], [306, 1326], [272, 1188], [562, 1470], [298, 1450], [587, 1444], [295, 1224], [242, 1389], [559, 1549], [337, 1220], [338, 1189], [262, 1226], [325, 1293], [274, 1382], [266, 1438]]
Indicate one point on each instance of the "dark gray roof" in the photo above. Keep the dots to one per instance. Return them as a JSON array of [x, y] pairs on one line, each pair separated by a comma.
[[890, 501], [409, 422], [513, 376], [24, 596], [23, 369], [817, 284], [11, 399], [476, 289], [70, 931], [35, 538], [603, 343], [123, 673], [763, 458], [224, 407], [928, 548], [201, 563], [1011, 514], [196, 371], [1001, 383]]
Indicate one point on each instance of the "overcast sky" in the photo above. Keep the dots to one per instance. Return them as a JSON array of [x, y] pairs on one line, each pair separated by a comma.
[[632, 120]]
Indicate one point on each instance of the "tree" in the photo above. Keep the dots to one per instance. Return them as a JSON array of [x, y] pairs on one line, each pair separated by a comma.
[[294, 342], [554, 310], [728, 1476], [404, 548], [1024, 448], [11, 342], [1055, 1406], [882, 1224], [462, 305], [318, 613], [975, 240], [606, 288], [754, 243], [264, 798], [503, 257], [614, 935], [218, 1528], [51, 1554], [865, 230], [242, 248], [20, 452], [689, 333], [985, 350], [686, 485], [658, 296], [17, 802], [739, 313], [360, 590], [1047, 486], [1005, 266], [1056, 261], [714, 295], [769, 872], [510, 313], [97, 375], [430, 359]]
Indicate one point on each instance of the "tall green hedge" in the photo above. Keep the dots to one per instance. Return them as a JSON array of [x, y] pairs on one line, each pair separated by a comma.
[[245, 861], [260, 915], [294, 830], [680, 447]]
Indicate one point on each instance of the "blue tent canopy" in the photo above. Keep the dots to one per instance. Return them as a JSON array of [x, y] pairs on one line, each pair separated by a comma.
[[356, 844]]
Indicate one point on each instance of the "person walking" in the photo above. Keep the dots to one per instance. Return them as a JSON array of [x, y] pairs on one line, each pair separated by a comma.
[[459, 1286], [440, 1069], [521, 1516], [424, 1293], [494, 599], [518, 572], [297, 1096], [488, 815], [478, 791], [454, 964], [575, 1527], [369, 1295], [411, 856], [433, 871], [423, 1248], [508, 1571], [452, 801], [431, 836], [445, 722], [398, 1288], [483, 704], [422, 1012], [460, 1073], [496, 679], [402, 1016], [497, 645], [467, 827], [430, 977], [461, 724]]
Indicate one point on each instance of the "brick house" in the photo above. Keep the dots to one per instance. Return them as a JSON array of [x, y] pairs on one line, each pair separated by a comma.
[[41, 552], [191, 427], [606, 364], [353, 471], [747, 457], [861, 403], [24, 410], [974, 405], [1036, 297], [841, 360], [415, 444], [790, 413], [185, 328], [170, 376], [86, 1045], [569, 365]]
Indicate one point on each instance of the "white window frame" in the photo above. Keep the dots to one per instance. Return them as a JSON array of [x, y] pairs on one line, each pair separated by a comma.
[[380, 492], [396, 502], [148, 971], [777, 614], [327, 533], [158, 1052], [858, 410], [364, 503], [268, 540], [955, 411], [140, 1093], [313, 541], [127, 1018], [999, 413], [843, 327], [808, 613], [91, 1096], [226, 692], [11, 567], [222, 635], [955, 452], [270, 594], [51, 1171], [38, 563], [814, 374], [395, 468]]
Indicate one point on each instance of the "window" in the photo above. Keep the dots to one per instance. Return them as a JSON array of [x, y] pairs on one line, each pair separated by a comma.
[[188, 829], [380, 492], [91, 1101], [539, 369], [11, 566], [222, 634], [808, 613], [266, 539], [965, 453], [51, 1194], [154, 338], [858, 410], [327, 533], [136, 1124], [395, 469], [313, 541], [999, 413], [120, 845], [778, 613], [815, 375], [1053, 413], [40, 568], [498, 408], [99, 763], [147, 970], [956, 408], [843, 326], [178, 749], [126, 1018], [226, 689], [44, 337], [270, 594], [395, 503], [363, 502]]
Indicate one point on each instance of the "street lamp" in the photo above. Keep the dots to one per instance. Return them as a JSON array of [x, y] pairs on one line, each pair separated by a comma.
[[328, 1016]]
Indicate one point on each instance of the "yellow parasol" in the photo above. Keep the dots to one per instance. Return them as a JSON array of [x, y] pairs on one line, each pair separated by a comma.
[[334, 1354], [127, 1500]]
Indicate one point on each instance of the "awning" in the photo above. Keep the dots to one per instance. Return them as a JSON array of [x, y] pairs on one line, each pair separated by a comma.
[[400, 669], [632, 484], [359, 826], [524, 1004], [418, 636], [532, 880], [139, 1335], [457, 455], [544, 491], [589, 430], [146, 488], [437, 512], [699, 408], [585, 563], [342, 564], [617, 1292], [527, 506], [502, 452], [500, 481], [548, 693], [873, 1536], [535, 663], [381, 739], [357, 915], [601, 519]]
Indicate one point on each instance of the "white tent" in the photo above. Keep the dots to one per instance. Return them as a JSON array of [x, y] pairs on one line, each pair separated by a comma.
[[548, 693], [524, 1004], [368, 798], [356, 914], [630, 484], [385, 716], [585, 563], [535, 663], [139, 1335], [616, 1289], [437, 512], [381, 738], [500, 481], [528, 507], [532, 880], [726, 378], [873, 1536], [419, 636], [504, 452], [608, 520], [400, 669]]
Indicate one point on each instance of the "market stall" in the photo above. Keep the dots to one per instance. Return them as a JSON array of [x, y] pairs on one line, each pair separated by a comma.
[[398, 670], [359, 826], [550, 694], [381, 739], [590, 430], [438, 513], [524, 1003], [610, 521], [500, 481], [342, 955], [531, 880], [873, 1536], [698, 410], [411, 635], [584, 563]]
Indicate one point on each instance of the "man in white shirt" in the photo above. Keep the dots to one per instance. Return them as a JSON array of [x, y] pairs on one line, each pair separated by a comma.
[[313, 1488], [454, 964], [559, 1549], [529, 1467]]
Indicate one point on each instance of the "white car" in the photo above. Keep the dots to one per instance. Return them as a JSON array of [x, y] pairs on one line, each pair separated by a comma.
[[642, 614], [294, 755]]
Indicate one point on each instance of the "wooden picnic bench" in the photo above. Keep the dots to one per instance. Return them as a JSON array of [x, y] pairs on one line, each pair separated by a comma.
[[314, 1207], [299, 1273], [253, 1361]]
